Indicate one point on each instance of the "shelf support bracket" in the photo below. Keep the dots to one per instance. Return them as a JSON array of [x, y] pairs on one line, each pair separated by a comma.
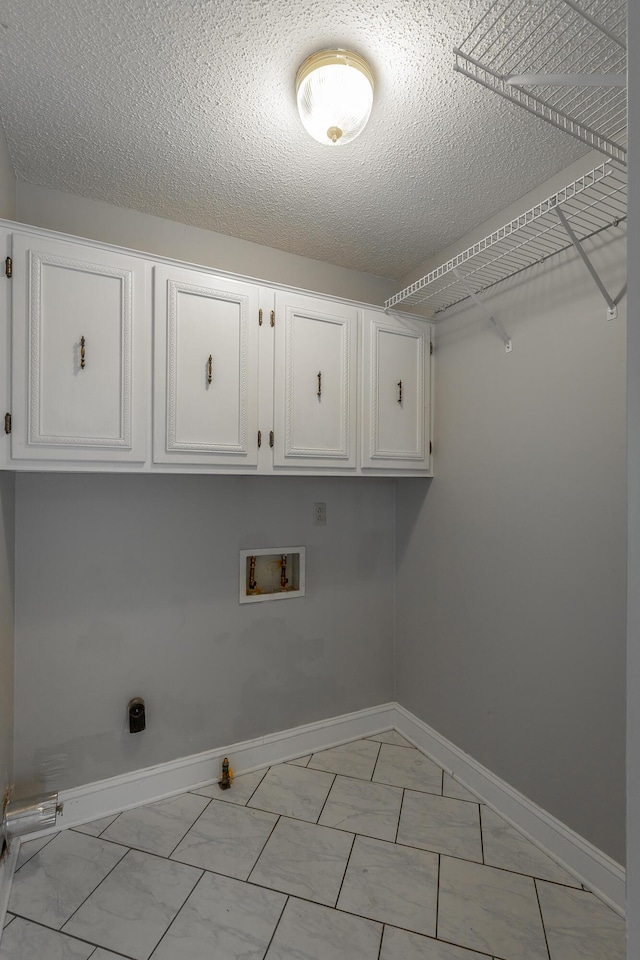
[[504, 336], [612, 309]]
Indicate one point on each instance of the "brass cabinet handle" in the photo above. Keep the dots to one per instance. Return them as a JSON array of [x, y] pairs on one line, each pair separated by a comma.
[[82, 353], [399, 391], [319, 394], [210, 369]]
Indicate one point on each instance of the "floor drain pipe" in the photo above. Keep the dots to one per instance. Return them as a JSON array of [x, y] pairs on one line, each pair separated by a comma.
[[29, 815]]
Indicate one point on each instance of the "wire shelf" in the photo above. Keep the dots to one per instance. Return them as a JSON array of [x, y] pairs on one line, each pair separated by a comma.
[[594, 202], [561, 60]]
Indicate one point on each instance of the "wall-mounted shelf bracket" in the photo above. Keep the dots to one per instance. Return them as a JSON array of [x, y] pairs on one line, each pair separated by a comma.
[[612, 310], [504, 336], [564, 61]]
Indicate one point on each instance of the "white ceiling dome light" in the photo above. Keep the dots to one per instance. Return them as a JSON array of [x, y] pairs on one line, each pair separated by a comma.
[[334, 89]]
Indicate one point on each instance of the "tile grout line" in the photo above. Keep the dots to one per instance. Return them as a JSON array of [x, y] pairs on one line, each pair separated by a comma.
[[346, 867], [399, 819], [438, 895], [36, 852], [173, 850], [254, 791], [317, 822], [262, 849], [69, 936], [125, 854], [481, 833], [129, 850], [377, 761], [544, 929], [177, 913], [284, 907]]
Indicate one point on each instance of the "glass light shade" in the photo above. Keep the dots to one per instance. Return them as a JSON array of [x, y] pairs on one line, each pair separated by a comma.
[[334, 89]]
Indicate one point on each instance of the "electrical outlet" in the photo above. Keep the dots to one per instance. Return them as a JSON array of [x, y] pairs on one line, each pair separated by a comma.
[[320, 514]]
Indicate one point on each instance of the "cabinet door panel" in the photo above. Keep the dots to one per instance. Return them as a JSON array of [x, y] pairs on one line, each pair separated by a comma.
[[79, 343], [205, 408], [315, 382], [396, 393]]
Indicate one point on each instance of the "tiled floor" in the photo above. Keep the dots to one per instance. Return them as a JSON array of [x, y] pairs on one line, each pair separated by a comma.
[[367, 851]]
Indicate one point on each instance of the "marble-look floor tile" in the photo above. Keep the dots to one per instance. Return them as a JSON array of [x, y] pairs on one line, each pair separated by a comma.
[[309, 931], [301, 761], [29, 848], [95, 827], [53, 883], [451, 788], [157, 827], [402, 945], [579, 926], [391, 736], [225, 919], [392, 884], [356, 759], [293, 791], [227, 839], [304, 859], [490, 911], [24, 940], [505, 847], [131, 910], [359, 806], [241, 790], [407, 767], [441, 824]]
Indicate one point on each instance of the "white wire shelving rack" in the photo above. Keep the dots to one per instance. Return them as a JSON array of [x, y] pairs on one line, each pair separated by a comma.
[[585, 208], [562, 60]]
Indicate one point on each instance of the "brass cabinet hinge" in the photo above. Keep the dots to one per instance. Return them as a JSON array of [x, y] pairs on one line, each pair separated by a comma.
[[430, 448], [260, 317], [8, 267], [259, 439], [271, 438], [430, 347], [7, 423], [273, 318]]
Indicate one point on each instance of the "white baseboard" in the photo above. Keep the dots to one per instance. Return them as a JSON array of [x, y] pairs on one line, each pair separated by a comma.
[[105, 797], [591, 866], [7, 868], [602, 875]]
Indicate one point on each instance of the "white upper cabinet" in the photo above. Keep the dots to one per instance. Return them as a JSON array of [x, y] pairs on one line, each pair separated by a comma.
[[79, 344], [314, 383], [395, 393], [205, 369], [147, 365]]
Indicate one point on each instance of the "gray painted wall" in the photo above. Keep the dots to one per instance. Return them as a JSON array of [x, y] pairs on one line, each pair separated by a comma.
[[7, 181], [511, 568], [128, 585], [55, 210], [633, 373], [7, 497]]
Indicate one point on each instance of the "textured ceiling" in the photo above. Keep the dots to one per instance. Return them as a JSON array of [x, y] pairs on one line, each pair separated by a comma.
[[186, 109]]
